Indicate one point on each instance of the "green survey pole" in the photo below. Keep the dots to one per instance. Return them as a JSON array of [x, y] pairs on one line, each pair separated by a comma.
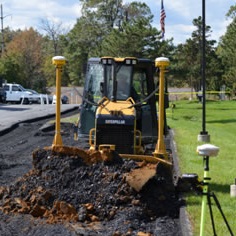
[[207, 151], [58, 61], [205, 195]]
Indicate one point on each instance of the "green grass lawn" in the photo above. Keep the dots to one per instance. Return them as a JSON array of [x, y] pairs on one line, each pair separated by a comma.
[[186, 121]]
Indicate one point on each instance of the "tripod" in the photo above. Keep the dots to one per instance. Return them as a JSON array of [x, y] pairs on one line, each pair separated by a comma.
[[206, 151]]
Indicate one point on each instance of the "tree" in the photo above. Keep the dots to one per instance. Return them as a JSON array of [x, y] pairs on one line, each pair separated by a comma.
[[54, 45], [84, 40], [188, 60], [105, 28], [6, 36], [227, 50], [54, 33], [111, 28], [135, 35], [79, 44], [108, 13], [24, 53]]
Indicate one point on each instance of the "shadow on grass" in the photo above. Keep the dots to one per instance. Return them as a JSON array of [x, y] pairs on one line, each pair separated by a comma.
[[219, 188], [191, 118], [222, 121], [213, 187], [220, 108]]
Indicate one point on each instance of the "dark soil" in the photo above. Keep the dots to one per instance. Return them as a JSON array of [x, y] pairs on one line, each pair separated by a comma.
[[43, 192]]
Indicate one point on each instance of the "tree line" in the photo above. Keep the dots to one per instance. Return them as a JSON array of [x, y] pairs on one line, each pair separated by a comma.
[[114, 28]]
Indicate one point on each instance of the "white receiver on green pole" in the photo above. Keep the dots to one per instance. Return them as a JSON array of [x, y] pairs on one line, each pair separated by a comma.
[[207, 151]]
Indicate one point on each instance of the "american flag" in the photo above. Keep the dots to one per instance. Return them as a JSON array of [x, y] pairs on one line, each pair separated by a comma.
[[162, 19]]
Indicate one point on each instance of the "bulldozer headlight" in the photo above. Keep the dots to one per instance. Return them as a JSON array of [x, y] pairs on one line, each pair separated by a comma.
[[126, 60], [107, 61], [130, 61]]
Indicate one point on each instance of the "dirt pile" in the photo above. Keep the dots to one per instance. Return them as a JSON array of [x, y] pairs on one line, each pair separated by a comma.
[[76, 186]]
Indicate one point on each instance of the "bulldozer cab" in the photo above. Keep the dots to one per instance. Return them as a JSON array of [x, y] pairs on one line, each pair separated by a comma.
[[119, 79]]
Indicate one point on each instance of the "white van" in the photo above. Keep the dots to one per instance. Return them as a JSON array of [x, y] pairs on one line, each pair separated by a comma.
[[16, 93]]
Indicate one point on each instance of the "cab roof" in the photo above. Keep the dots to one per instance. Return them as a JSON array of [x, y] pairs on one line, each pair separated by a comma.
[[120, 59]]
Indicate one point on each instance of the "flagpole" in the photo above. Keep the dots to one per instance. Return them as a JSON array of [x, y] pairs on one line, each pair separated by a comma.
[[162, 20]]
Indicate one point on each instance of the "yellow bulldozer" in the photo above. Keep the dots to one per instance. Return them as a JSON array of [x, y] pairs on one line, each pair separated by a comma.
[[119, 110], [119, 105]]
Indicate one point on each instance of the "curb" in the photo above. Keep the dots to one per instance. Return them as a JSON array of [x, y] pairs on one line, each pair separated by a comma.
[[15, 125], [185, 224]]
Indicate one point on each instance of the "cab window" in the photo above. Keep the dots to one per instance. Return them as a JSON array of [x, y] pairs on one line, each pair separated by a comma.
[[16, 88], [94, 79], [6, 87], [140, 83], [123, 79]]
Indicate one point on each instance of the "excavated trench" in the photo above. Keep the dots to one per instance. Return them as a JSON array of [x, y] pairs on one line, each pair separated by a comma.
[[72, 192]]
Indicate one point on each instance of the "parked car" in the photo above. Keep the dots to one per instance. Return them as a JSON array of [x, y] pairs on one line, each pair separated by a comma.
[[39, 97], [17, 94], [64, 99], [3, 95]]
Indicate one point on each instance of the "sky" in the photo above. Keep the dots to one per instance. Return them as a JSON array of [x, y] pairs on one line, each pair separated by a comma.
[[21, 14]]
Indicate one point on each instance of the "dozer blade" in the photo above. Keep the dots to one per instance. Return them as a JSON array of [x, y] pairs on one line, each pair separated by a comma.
[[150, 167], [148, 159], [137, 178], [88, 156]]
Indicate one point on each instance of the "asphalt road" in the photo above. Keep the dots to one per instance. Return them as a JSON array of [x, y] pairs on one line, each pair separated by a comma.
[[12, 115]]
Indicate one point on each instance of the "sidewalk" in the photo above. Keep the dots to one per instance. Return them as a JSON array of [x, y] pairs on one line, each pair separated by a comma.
[[12, 115]]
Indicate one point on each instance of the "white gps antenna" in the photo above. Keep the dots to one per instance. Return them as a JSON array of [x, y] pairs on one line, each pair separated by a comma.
[[208, 150]]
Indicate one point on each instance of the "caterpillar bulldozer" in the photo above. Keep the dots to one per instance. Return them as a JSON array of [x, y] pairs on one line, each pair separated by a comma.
[[119, 104], [119, 111]]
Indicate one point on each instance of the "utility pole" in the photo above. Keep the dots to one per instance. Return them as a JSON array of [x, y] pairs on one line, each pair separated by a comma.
[[2, 31], [2, 43]]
